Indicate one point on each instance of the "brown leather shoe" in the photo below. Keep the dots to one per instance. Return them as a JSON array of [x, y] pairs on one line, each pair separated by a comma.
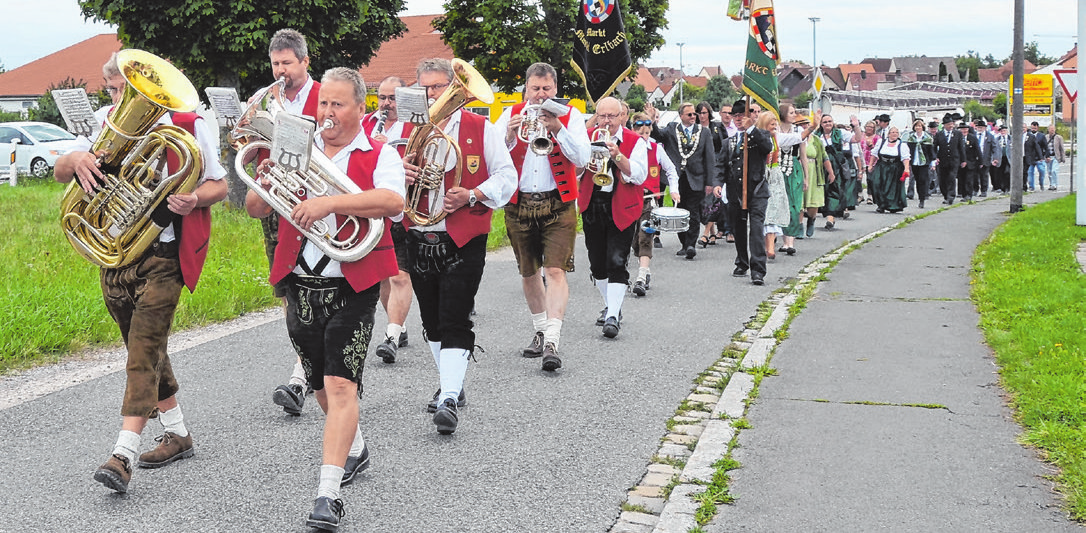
[[535, 348], [551, 362], [170, 448], [115, 473]]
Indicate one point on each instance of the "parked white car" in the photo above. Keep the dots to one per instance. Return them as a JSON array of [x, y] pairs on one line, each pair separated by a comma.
[[37, 145]]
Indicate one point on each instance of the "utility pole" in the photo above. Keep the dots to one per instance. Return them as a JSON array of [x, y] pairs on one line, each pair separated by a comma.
[[1017, 149], [682, 75], [814, 57]]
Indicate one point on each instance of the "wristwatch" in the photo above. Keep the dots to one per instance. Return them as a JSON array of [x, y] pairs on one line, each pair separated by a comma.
[[618, 158], [471, 198]]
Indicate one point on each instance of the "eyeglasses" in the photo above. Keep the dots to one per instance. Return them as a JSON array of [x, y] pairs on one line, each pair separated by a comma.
[[638, 123], [608, 117], [112, 90], [389, 97], [688, 114], [703, 112], [436, 86]]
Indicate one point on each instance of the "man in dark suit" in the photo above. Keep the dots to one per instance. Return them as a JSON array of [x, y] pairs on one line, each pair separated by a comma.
[[1042, 149], [989, 156], [730, 171], [690, 147], [1031, 154], [949, 157], [967, 178]]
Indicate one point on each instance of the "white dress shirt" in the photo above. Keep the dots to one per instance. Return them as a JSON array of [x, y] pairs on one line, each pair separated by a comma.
[[388, 174], [295, 106], [639, 169], [536, 173]]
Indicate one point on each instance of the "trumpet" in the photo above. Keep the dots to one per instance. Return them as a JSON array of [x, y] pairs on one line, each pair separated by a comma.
[[532, 131], [601, 158]]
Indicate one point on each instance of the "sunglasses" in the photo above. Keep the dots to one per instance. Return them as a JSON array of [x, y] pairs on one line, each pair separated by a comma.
[[642, 123]]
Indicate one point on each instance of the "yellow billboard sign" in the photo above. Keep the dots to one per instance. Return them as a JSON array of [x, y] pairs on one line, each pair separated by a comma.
[[1036, 89]]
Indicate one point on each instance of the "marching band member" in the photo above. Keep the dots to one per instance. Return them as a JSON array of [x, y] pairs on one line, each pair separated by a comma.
[[541, 218], [447, 258], [142, 297], [288, 54], [609, 211], [330, 305], [657, 162], [382, 125]]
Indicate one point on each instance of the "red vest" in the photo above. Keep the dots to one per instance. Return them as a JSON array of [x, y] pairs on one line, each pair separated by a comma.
[[466, 223], [194, 231], [652, 182], [626, 198], [362, 274], [565, 173]]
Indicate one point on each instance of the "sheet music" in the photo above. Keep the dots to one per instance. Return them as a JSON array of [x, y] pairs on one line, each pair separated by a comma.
[[225, 102], [293, 141], [412, 105], [76, 110], [556, 107]]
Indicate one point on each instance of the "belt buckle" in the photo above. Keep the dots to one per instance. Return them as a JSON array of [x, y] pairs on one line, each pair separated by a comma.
[[538, 196], [431, 237]]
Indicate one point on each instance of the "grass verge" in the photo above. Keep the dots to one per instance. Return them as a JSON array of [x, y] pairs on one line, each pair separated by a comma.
[[1031, 294]]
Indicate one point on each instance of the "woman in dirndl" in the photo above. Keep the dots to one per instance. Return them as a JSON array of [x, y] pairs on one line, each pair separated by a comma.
[[889, 172]]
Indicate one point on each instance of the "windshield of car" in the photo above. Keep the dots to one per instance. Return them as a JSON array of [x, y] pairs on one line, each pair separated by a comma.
[[48, 132]]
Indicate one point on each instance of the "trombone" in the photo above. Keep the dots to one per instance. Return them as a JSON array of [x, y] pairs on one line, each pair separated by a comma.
[[601, 158]]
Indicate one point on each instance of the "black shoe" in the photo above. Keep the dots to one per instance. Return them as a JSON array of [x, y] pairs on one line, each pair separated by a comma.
[[326, 514], [909, 197], [534, 348], [789, 250], [829, 224], [656, 242], [921, 204], [810, 227], [983, 195], [355, 464], [639, 288], [691, 252], [603, 316], [446, 418], [461, 401], [950, 201], [880, 210], [387, 350], [551, 362], [403, 338], [610, 327], [755, 279], [290, 397], [739, 272]]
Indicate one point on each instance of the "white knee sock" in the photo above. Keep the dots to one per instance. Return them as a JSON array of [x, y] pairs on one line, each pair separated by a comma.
[[616, 292], [173, 421], [358, 444], [331, 476], [297, 376], [128, 445], [643, 274], [552, 332], [539, 321], [435, 348], [393, 331], [601, 284], [453, 367]]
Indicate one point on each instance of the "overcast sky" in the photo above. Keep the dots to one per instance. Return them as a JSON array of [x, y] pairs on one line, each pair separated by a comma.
[[849, 30]]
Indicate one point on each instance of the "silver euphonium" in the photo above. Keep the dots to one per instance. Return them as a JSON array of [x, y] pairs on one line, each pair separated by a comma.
[[532, 131], [254, 131]]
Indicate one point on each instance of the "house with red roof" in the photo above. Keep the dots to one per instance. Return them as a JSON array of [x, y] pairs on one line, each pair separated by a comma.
[[21, 87]]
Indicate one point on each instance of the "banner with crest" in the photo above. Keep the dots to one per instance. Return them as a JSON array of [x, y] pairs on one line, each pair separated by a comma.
[[601, 49], [763, 56]]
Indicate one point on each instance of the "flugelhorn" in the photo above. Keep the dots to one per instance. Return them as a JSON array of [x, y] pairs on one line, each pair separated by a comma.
[[532, 131], [115, 226], [432, 148], [599, 164], [254, 131]]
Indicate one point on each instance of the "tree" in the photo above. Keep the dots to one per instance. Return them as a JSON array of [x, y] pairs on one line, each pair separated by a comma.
[[226, 43], [502, 39], [991, 62], [974, 73], [720, 91], [966, 64], [999, 104], [636, 97], [803, 100], [1033, 55], [975, 110]]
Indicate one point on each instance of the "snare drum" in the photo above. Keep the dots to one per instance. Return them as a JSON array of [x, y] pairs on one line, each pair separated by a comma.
[[670, 219]]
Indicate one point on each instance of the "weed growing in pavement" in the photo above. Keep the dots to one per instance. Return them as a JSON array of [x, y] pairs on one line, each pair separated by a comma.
[[628, 507], [1031, 294], [742, 423], [670, 461]]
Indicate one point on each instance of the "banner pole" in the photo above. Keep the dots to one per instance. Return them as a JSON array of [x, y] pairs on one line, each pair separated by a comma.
[[743, 202]]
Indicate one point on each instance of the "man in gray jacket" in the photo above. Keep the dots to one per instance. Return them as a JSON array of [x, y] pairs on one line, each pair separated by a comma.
[[1056, 156]]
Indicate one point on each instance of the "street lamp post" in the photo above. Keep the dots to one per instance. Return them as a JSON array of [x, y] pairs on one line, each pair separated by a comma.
[[681, 75]]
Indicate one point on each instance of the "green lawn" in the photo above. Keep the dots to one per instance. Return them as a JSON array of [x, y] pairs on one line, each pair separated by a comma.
[[1031, 294]]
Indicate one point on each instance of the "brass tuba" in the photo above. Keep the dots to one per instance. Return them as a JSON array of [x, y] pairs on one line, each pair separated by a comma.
[[601, 158], [432, 147], [532, 131], [113, 227], [254, 131]]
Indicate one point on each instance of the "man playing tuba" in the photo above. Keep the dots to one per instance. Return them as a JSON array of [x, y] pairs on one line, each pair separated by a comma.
[[142, 296], [541, 217], [330, 305], [446, 258]]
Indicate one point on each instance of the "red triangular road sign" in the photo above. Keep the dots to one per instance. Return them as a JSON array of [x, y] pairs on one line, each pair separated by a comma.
[[1068, 79]]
